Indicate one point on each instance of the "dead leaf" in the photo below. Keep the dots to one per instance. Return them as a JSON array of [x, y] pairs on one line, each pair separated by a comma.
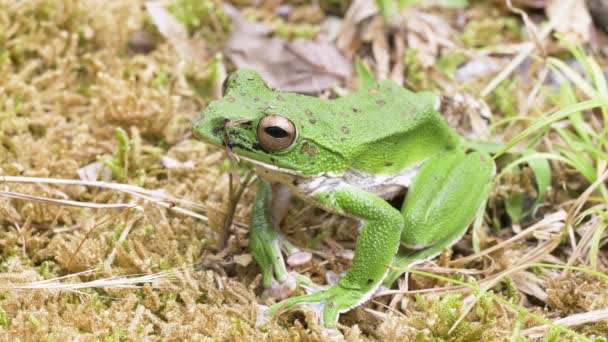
[[243, 259], [304, 66], [94, 171], [427, 34], [599, 11], [380, 48], [171, 163], [188, 49], [358, 11], [576, 23]]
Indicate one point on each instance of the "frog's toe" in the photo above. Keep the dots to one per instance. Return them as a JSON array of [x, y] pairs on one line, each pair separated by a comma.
[[281, 290], [328, 304]]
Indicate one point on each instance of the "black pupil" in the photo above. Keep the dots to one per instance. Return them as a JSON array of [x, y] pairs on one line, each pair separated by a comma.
[[276, 132]]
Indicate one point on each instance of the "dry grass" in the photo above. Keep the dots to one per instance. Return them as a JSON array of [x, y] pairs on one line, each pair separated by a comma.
[[102, 260]]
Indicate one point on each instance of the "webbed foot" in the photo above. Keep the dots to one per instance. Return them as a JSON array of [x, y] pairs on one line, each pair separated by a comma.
[[328, 303]]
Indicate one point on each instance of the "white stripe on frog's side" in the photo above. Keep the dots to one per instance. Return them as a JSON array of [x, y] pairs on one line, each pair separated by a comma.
[[385, 186]]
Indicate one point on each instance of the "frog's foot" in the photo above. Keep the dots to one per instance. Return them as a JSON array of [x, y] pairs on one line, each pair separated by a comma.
[[282, 290], [328, 303]]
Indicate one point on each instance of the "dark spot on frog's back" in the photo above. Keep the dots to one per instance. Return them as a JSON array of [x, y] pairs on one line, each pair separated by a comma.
[[356, 110], [313, 121], [308, 112], [345, 130], [388, 163], [380, 102]]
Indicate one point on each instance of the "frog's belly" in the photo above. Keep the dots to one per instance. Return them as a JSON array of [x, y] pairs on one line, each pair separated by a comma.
[[385, 186]]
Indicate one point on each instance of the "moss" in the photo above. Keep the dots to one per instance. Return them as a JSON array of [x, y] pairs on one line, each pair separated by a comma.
[[69, 84], [206, 16], [491, 31]]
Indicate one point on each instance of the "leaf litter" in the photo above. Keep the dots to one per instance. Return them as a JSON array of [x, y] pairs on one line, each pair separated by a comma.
[[73, 265]]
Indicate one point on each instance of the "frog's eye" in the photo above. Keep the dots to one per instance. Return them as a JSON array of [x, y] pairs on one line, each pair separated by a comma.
[[276, 133]]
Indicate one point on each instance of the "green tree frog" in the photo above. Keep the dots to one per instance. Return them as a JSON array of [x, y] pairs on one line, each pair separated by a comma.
[[348, 155]]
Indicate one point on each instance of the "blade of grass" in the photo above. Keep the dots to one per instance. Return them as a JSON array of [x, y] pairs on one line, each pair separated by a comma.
[[547, 121]]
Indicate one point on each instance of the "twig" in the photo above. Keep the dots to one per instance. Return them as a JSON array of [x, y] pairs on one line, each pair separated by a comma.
[[155, 197], [526, 50], [18, 195], [573, 320], [121, 239]]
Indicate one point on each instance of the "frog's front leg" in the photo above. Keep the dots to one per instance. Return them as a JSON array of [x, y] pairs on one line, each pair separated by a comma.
[[376, 246], [269, 208]]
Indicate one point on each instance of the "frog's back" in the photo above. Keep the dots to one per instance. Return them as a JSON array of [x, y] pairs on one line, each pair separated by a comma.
[[387, 128]]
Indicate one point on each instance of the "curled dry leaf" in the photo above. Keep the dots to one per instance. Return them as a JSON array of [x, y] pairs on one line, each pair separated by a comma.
[[305, 66], [95, 171], [427, 34], [577, 24], [348, 38]]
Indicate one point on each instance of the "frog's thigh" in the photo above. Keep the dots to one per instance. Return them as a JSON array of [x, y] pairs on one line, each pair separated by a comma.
[[444, 197]]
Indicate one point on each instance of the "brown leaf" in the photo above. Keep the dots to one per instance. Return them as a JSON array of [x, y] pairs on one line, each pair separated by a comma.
[[358, 11], [575, 22], [305, 66]]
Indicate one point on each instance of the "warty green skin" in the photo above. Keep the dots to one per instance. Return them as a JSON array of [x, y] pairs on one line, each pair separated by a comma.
[[382, 130], [385, 136]]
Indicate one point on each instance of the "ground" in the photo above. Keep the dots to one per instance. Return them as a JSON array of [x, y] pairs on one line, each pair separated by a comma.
[[133, 244]]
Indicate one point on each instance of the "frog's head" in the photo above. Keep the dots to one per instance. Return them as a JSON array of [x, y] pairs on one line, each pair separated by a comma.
[[262, 125]]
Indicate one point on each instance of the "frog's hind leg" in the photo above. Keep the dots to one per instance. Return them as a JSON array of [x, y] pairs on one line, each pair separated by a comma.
[[443, 200], [407, 257]]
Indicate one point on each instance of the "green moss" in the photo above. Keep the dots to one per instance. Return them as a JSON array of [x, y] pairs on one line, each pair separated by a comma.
[[491, 31], [5, 321], [206, 15], [119, 162], [292, 31], [503, 99], [34, 321], [415, 74], [449, 62], [44, 270], [206, 79]]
